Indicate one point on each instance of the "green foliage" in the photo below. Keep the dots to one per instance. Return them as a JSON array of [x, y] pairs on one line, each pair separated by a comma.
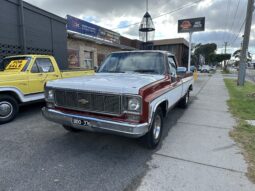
[[216, 58], [242, 105], [205, 50], [237, 54], [242, 99]]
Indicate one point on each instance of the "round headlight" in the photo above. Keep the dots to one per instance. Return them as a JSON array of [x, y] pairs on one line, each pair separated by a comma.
[[133, 104], [50, 94]]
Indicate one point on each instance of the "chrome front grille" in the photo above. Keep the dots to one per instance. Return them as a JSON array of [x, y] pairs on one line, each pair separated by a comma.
[[88, 101]]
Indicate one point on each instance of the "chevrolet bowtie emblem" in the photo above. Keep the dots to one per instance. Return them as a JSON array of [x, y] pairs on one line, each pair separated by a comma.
[[83, 101]]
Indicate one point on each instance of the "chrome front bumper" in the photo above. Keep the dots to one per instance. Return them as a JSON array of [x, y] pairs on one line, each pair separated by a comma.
[[97, 125]]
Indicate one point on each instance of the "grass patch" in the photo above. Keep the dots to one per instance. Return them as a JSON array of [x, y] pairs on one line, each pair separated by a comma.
[[242, 99], [225, 71], [242, 106]]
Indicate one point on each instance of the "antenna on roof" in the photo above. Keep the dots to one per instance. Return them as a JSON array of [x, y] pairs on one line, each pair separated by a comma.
[[147, 6]]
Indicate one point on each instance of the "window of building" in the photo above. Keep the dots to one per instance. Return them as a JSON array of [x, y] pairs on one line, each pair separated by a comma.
[[88, 60]]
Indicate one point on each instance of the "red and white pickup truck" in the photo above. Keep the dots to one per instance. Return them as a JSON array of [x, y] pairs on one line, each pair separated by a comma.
[[129, 95]]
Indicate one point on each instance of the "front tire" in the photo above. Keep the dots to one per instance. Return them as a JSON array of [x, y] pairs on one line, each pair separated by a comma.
[[153, 137], [9, 108], [184, 102]]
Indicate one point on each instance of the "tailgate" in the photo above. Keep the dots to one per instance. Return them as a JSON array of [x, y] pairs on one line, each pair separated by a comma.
[[73, 73]]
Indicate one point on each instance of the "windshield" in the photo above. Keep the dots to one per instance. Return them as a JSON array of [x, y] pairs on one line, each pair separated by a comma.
[[15, 63], [141, 62]]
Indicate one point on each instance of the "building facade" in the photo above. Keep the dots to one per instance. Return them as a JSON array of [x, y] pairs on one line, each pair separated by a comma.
[[177, 46], [26, 29]]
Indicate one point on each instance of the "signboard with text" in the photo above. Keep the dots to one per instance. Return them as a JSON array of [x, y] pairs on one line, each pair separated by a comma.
[[191, 25], [84, 27]]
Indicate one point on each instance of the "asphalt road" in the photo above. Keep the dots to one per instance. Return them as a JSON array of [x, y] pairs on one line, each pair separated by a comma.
[[36, 154]]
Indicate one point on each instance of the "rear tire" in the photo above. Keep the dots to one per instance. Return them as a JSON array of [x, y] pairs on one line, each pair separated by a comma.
[[184, 102], [71, 129], [153, 137], [9, 108]]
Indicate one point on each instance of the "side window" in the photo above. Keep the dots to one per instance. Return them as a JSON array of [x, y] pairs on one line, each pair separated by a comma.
[[35, 68], [44, 65], [172, 66]]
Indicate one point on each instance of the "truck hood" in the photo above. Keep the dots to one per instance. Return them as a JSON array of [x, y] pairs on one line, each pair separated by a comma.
[[124, 83]]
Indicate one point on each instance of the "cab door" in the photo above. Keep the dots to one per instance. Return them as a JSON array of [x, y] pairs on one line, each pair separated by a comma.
[[41, 72]]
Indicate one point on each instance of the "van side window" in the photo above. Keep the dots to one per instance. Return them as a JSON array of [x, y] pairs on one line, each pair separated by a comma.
[[172, 66]]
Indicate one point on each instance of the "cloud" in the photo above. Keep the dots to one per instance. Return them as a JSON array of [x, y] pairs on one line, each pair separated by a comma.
[[221, 23]]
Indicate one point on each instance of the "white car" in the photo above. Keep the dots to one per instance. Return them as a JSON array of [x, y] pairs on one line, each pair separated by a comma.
[[205, 69]]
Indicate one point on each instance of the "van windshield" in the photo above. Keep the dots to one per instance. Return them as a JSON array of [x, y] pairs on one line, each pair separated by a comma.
[[131, 62], [15, 63]]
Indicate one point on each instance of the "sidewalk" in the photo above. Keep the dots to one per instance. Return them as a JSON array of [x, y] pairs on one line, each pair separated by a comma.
[[198, 153]]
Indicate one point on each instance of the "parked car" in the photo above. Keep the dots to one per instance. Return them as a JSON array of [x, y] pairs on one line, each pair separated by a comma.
[[130, 95], [193, 68], [205, 69], [23, 78]]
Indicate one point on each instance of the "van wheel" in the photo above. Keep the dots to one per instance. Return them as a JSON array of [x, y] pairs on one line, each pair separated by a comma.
[[9, 108], [183, 103], [71, 129], [153, 137]]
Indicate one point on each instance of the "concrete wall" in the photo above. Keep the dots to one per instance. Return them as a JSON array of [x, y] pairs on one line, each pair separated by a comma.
[[98, 50], [44, 33]]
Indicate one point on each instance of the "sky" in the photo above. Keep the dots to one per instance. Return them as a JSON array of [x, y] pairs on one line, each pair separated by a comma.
[[223, 18]]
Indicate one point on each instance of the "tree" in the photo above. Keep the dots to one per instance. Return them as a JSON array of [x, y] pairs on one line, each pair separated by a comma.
[[205, 50], [237, 54], [216, 58]]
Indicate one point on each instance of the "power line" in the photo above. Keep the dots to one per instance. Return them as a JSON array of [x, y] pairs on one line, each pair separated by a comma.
[[234, 17], [239, 23], [226, 17], [175, 10], [238, 33]]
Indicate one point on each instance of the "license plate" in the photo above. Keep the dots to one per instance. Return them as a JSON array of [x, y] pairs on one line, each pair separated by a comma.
[[81, 122]]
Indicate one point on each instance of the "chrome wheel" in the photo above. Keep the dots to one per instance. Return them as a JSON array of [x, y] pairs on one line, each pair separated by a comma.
[[157, 127], [6, 109]]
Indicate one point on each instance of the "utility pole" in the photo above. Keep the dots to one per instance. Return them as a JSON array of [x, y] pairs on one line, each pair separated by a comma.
[[225, 52], [246, 38], [226, 44], [189, 59]]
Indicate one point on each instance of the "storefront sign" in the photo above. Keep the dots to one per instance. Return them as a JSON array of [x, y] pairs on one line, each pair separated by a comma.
[[84, 27], [191, 25]]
